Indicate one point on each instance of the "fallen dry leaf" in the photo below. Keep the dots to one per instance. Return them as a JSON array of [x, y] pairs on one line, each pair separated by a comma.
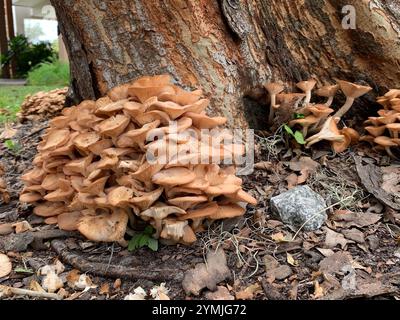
[[22, 226], [207, 275], [306, 166], [333, 239], [222, 293], [263, 165], [5, 265], [353, 219], [104, 289], [8, 132], [249, 292], [292, 180], [354, 234], [291, 260], [326, 252], [6, 228], [335, 263], [280, 237]]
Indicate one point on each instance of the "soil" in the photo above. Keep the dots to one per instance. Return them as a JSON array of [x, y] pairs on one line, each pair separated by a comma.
[[245, 241]]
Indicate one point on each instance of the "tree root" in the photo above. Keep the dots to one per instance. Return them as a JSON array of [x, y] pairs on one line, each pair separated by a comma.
[[112, 270]]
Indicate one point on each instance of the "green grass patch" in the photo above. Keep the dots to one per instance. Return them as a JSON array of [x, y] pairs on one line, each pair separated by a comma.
[[55, 73], [11, 98]]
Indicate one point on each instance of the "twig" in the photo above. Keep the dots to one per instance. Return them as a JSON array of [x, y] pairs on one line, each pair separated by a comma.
[[143, 271], [25, 292]]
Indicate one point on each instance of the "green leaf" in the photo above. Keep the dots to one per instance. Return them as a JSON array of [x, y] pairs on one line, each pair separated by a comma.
[[134, 242], [9, 144], [144, 240], [153, 244], [23, 270], [299, 137], [288, 129], [299, 116], [148, 230]]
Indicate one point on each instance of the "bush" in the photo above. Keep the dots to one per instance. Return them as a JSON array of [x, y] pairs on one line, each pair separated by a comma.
[[26, 54], [53, 73]]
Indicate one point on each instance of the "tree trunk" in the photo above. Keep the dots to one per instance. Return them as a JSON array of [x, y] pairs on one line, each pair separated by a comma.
[[230, 47]]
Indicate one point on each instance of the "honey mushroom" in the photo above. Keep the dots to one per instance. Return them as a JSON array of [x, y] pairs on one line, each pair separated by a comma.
[[92, 173]]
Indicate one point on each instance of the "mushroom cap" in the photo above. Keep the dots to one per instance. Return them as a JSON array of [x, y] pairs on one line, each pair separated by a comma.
[[120, 196], [376, 131], [385, 141], [307, 85], [181, 96], [51, 220], [63, 193], [222, 189], [198, 106], [161, 211], [50, 182], [340, 146], [352, 134], [114, 125], [146, 171], [319, 110], [181, 191], [187, 202], [49, 209], [119, 92], [97, 147], [94, 187], [33, 176], [151, 116], [69, 220], [274, 88], [392, 93], [243, 196], [111, 107], [327, 91], [173, 176], [30, 197], [228, 211], [202, 121], [189, 236], [305, 122], [103, 226], [395, 127], [146, 91], [353, 90], [86, 139], [201, 212], [55, 139], [172, 109], [173, 229], [147, 199], [367, 138]]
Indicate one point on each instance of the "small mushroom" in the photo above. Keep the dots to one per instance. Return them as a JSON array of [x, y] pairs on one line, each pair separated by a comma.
[[305, 123], [187, 202], [329, 131], [386, 143], [49, 209], [328, 92], [273, 89], [306, 87], [352, 91], [69, 221], [228, 211], [147, 199], [376, 131], [394, 129], [202, 121]]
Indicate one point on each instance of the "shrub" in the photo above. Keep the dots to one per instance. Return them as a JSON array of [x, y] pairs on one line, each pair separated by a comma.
[[53, 73], [26, 54]]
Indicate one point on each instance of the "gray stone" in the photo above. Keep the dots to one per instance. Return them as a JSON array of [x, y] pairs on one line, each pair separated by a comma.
[[16, 242], [298, 206]]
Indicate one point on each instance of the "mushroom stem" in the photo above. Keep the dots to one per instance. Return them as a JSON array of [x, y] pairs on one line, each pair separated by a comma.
[[272, 109], [308, 97], [346, 107], [390, 153], [305, 131], [328, 103]]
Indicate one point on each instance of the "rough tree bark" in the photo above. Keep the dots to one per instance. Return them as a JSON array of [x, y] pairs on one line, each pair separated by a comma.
[[229, 47]]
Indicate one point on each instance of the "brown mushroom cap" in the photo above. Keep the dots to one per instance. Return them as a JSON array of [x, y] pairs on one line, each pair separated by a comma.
[[120, 196], [55, 139], [375, 131], [103, 226], [228, 211], [353, 90], [327, 91], [69, 221], [114, 125], [274, 88], [394, 128], [202, 121], [146, 200], [49, 209], [84, 140], [187, 202], [307, 85], [173, 176], [385, 141], [30, 197]]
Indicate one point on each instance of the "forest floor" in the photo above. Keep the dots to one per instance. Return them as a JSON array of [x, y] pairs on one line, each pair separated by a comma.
[[355, 254]]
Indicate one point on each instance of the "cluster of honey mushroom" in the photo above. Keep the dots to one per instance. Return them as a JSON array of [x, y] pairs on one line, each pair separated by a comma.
[[318, 122], [91, 172], [383, 131], [42, 105]]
